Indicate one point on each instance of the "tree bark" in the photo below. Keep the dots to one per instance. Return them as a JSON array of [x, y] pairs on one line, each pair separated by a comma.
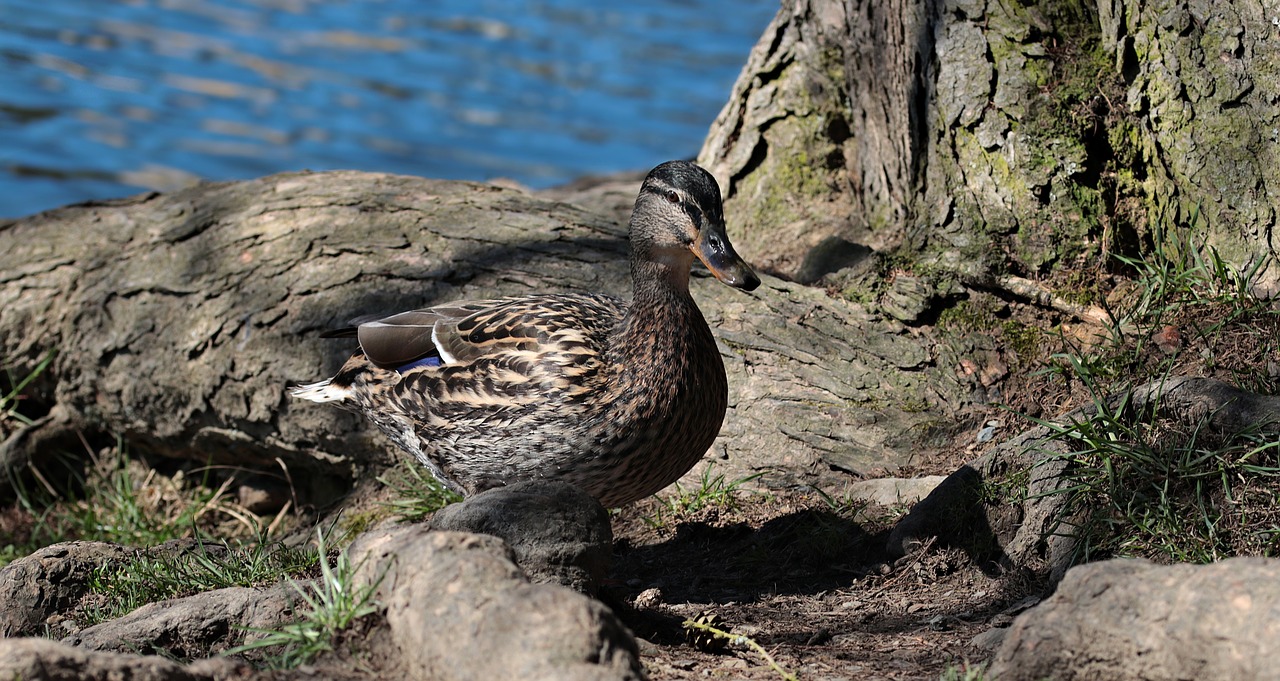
[[979, 137]]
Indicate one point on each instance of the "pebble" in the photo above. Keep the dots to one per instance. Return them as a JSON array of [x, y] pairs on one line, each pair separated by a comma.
[[649, 598]]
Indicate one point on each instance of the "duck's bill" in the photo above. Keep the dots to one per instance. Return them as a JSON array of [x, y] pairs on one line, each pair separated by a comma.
[[715, 251]]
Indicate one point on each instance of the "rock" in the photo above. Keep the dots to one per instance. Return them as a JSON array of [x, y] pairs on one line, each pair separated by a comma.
[[649, 599], [945, 512], [458, 607], [611, 195], [558, 533], [1132, 619], [39, 659], [191, 626], [48, 582], [832, 254], [988, 641], [891, 491]]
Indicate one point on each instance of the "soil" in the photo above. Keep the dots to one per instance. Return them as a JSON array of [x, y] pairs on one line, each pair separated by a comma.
[[807, 577], [809, 581]]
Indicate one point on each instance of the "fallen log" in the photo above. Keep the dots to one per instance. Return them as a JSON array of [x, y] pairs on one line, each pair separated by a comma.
[[177, 320]]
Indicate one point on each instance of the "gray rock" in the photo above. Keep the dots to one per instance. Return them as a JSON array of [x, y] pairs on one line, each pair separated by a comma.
[[458, 607], [48, 581], [558, 533], [191, 626], [890, 491], [1132, 619], [988, 641], [39, 659]]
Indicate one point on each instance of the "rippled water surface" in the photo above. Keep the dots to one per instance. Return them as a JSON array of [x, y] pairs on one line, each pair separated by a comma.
[[104, 98]]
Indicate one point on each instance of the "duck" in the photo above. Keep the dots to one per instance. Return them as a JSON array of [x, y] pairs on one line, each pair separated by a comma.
[[619, 398]]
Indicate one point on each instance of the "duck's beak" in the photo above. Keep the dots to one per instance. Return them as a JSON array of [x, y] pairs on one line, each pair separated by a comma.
[[714, 250]]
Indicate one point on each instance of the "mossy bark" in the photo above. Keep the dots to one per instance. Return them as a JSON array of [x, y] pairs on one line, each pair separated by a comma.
[[983, 137]]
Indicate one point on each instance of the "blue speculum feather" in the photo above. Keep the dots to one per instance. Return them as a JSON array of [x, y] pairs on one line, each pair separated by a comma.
[[429, 361]]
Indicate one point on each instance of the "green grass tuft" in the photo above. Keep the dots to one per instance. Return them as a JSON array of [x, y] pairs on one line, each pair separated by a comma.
[[417, 493], [11, 415], [1142, 486], [125, 586], [123, 500], [333, 604], [713, 490]]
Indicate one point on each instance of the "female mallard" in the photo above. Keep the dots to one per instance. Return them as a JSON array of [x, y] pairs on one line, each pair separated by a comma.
[[620, 400]]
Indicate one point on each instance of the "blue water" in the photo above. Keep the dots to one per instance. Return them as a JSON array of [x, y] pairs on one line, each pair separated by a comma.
[[106, 98]]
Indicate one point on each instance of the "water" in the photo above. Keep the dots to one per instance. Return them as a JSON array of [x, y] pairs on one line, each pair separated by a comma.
[[105, 98]]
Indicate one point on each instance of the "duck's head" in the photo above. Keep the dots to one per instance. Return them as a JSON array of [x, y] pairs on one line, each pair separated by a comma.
[[678, 217]]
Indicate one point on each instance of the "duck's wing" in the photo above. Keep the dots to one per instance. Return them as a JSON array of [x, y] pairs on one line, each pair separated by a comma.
[[463, 332]]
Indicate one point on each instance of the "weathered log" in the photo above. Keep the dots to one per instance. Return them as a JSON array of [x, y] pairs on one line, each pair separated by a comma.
[[178, 320]]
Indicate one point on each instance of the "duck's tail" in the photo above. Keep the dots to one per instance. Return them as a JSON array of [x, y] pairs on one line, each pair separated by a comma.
[[324, 391]]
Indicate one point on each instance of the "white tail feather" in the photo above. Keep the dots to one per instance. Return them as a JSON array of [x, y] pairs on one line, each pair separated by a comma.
[[321, 392]]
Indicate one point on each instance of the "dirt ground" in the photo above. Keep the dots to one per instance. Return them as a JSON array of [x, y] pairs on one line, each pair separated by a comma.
[[809, 581], [807, 577]]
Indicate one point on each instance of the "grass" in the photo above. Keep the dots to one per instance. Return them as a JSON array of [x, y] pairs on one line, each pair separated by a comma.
[[964, 672], [1183, 296], [712, 491], [123, 587], [11, 414], [1152, 487], [417, 494], [1181, 272], [333, 604], [121, 499]]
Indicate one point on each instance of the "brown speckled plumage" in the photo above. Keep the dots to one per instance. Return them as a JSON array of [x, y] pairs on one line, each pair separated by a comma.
[[619, 399]]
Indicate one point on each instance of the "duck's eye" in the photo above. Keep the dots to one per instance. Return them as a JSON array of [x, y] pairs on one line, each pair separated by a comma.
[[673, 196]]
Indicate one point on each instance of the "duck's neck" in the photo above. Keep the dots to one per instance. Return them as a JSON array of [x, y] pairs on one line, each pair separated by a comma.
[[661, 278], [662, 319]]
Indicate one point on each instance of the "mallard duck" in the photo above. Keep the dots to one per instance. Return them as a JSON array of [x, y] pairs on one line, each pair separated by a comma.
[[619, 399]]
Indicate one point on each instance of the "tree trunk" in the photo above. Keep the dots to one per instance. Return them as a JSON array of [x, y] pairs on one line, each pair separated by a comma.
[[974, 138]]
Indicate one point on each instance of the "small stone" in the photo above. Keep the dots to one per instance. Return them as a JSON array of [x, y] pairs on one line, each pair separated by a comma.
[[818, 637], [891, 491], [41, 585], [649, 598], [1002, 620], [559, 533], [989, 640]]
